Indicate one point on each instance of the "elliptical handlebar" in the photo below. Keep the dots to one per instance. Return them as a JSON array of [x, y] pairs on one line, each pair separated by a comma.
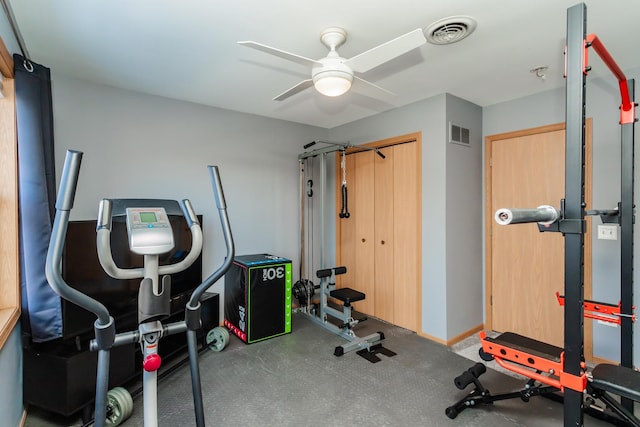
[[103, 231], [53, 271], [192, 309], [103, 246], [221, 204]]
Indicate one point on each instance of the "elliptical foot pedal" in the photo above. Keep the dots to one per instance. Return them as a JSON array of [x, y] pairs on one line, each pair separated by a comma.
[[371, 353]]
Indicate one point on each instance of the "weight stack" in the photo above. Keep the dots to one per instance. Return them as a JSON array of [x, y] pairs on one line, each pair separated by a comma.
[[257, 297]]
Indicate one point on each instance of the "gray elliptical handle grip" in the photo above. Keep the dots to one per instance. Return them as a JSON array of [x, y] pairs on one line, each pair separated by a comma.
[[53, 271], [188, 212], [216, 183], [103, 245], [69, 180], [221, 204]]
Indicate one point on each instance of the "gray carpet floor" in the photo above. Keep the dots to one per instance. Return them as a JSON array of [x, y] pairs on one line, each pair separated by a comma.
[[295, 380]]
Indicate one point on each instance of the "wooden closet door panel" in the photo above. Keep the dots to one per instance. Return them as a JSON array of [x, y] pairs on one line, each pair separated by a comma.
[[364, 230], [383, 235], [406, 248], [347, 243]]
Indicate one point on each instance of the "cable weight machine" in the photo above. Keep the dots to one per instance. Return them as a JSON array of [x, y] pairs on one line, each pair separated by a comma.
[[322, 307], [552, 369]]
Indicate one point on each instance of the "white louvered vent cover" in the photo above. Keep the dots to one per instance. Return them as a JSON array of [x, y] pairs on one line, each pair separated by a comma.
[[450, 30], [458, 134]]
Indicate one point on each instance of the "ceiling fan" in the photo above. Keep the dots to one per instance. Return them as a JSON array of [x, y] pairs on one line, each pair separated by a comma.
[[333, 74]]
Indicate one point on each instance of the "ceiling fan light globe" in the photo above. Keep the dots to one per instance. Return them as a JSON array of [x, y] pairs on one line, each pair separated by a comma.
[[332, 83]]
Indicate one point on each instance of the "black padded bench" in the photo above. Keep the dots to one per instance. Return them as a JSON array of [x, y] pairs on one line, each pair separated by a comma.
[[621, 381], [347, 295], [528, 345], [526, 356]]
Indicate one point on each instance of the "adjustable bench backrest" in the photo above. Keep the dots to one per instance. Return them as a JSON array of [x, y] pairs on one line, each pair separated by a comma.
[[346, 295]]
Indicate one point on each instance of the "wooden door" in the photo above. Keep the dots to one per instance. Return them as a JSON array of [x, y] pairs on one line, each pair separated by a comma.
[[362, 221], [384, 283], [407, 236], [380, 242], [525, 268]]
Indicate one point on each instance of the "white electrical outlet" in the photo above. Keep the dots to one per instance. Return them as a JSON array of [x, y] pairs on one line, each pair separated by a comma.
[[608, 232]]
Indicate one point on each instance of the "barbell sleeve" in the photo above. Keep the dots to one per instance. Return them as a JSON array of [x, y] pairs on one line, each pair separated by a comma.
[[544, 214]]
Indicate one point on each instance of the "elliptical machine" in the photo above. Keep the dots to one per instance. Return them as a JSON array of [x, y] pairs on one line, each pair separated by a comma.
[[149, 235]]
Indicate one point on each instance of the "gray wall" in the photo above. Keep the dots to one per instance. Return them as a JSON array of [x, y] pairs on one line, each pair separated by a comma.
[[464, 184], [603, 100], [146, 146], [446, 290], [11, 383]]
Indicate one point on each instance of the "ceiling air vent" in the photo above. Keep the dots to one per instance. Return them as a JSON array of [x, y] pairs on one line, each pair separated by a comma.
[[458, 134], [450, 30]]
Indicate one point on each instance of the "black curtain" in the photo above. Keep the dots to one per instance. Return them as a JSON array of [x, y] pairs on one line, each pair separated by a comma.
[[41, 307]]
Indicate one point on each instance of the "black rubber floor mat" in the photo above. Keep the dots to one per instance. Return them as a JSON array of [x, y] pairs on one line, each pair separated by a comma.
[[373, 351]]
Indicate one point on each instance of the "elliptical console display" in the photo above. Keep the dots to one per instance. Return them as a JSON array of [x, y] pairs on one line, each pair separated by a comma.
[[149, 231]]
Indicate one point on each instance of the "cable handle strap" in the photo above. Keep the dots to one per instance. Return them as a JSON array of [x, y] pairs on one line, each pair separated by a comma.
[[344, 211], [343, 166]]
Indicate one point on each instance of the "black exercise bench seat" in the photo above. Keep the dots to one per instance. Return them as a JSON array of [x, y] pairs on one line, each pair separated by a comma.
[[347, 295], [527, 345], [621, 381]]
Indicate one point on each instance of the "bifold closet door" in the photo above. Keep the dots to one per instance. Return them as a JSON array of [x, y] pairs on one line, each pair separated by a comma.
[[364, 229], [379, 241], [406, 235], [384, 238]]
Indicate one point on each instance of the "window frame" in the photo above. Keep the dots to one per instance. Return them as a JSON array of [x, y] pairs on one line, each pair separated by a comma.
[[9, 231]]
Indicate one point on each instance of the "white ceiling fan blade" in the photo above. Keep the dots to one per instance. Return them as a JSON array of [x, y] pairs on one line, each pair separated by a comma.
[[305, 84], [387, 51], [281, 53], [374, 85]]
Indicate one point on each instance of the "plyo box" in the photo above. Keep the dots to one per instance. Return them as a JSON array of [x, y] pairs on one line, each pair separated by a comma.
[[257, 297]]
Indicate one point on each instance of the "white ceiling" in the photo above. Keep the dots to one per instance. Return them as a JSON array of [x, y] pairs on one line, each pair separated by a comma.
[[187, 50]]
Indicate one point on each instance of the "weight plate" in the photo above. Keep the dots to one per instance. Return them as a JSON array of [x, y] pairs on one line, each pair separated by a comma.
[[217, 338], [119, 406]]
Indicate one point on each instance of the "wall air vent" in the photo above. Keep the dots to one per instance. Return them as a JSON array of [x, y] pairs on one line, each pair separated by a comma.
[[458, 134]]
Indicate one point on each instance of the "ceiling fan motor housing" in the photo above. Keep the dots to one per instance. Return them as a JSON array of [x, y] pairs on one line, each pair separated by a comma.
[[332, 77]]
